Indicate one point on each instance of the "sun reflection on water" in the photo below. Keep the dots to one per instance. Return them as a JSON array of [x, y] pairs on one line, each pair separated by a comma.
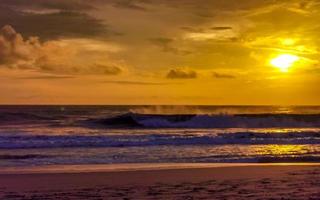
[[278, 150]]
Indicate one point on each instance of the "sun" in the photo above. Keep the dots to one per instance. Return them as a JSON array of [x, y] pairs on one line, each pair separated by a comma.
[[284, 62]]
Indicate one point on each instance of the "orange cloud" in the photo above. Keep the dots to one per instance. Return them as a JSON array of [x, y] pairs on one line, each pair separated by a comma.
[[13, 48], [56, 56]]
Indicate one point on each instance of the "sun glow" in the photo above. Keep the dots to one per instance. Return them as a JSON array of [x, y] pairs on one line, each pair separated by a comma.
[[284, 62], [288, 41]]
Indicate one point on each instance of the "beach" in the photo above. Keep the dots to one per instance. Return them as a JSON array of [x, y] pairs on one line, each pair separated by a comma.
[[159, 100], [112, 152], [278, 181]]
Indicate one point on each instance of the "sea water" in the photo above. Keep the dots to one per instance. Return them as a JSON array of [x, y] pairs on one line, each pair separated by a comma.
[[86, 135]]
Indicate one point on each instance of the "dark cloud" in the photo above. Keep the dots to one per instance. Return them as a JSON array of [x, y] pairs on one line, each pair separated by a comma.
[[78, 69], [70, 5], [106, 69], [192, 29], [221, 28], [202, 30], [223, 76], [51, 19], [54, 25], [67, 5], [182, 74]]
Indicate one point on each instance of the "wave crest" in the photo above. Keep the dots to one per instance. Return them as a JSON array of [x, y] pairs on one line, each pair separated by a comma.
[[213, 121]]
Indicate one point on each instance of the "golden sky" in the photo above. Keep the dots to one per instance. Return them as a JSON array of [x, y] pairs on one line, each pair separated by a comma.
[[160, 52]]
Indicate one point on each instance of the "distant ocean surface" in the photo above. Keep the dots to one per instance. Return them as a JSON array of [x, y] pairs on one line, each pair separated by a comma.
[[63, 135]]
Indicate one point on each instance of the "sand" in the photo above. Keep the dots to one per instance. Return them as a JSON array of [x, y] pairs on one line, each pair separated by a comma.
[[203, 182]]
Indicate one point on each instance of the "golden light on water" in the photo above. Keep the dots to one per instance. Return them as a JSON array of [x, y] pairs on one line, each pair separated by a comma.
[[284, 62], [283, 150]]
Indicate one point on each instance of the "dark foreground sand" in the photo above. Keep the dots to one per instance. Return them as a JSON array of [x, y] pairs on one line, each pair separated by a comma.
[[239, 182]]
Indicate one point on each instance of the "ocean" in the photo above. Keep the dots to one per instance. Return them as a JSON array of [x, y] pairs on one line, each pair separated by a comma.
[[85, 135]]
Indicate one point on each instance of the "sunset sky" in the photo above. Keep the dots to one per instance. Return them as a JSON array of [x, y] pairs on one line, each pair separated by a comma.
[[252, 52]]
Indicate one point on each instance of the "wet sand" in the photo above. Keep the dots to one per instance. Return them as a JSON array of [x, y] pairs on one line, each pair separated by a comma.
[[231, 182]]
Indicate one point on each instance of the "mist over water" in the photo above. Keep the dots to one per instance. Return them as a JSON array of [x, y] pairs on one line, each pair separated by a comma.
[[225, 110]]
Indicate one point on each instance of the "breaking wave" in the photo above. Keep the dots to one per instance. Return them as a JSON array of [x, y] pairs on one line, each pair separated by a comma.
[[213, 121]]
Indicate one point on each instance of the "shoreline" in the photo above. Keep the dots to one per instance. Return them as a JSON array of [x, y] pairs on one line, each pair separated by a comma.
[[128, 167], [261, 181]]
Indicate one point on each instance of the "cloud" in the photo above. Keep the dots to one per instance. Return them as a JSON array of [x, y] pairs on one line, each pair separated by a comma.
[[70, 5], [221, 28], [206, 29], [219, 33], [227, 35], [223, 76], [129, 4], [215, 5], [192, 29], [59, 57], [136, 83], [209, 9], [106, 69], [180, 73], [70, 63], [13, 48], [54, 22], [47, 77], [166, 44], [162, 40]]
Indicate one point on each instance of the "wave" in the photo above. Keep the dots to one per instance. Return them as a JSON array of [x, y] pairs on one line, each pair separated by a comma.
[[212, 121], [136, 120], [269, 159], [253, 158], [75, 141], [22, 117]]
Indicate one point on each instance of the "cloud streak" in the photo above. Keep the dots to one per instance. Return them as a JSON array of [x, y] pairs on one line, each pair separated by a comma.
[[129, 4], [137, 83], [46, 77], [223, 76]]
